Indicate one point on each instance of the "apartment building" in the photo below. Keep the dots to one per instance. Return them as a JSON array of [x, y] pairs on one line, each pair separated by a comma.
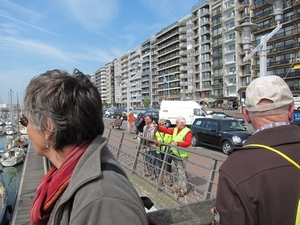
[[283, 49], [172, 62], [96, 78], [149, 70], [200, 57]]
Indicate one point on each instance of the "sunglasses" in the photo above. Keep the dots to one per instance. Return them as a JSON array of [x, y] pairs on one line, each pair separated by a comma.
[[163, 124], [24, 121]]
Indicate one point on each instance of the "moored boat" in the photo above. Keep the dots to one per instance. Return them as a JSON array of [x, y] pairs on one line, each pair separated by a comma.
[[22, 129], [10, 130], [12, 156]]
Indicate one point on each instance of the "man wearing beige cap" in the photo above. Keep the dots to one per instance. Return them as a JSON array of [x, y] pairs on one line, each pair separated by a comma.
[[260, 183]]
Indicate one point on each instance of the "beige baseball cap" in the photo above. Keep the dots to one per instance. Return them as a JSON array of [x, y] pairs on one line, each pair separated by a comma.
[[272, 88]]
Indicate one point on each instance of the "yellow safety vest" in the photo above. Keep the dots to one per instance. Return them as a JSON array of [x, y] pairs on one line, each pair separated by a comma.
[[297, 222], [162, 137], [178, 138]]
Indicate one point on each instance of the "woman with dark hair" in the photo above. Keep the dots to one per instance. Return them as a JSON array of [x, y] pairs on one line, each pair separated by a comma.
[[63, 115], [139, 125]]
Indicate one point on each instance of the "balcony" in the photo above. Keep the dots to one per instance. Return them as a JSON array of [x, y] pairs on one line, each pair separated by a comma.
[[183, 68], [182, 45], [183, 52], [182, 30], [182, 37]]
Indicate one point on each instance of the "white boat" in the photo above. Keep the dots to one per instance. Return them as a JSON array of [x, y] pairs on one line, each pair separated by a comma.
[[22, 129], [10, 130], [12, 156]]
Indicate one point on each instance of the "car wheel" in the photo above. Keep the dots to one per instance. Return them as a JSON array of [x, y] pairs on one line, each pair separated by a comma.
[[195, 141], [226, 147], [168, 123]]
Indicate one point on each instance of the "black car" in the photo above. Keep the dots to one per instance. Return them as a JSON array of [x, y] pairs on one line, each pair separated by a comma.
[[224, 115], [154, 112], [221, 133], [119, 113]]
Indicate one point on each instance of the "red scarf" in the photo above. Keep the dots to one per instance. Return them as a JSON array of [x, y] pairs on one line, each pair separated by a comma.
[[53, 185]]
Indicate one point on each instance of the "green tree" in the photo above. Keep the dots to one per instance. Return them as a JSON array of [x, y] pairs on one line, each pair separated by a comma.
[[104, 103], [146, 102]]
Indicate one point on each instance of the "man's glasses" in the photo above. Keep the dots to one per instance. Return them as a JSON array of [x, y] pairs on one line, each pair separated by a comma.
[[24, 121]]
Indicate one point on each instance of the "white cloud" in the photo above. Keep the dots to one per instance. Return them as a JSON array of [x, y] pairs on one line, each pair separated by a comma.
[[27, 24], [93, 14], [18, 9], [32, 46]]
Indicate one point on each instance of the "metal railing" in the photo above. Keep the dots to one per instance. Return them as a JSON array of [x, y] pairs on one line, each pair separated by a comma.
[[201, 169]]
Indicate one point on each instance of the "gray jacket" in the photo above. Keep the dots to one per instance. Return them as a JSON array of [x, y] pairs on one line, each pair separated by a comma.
[[98, 197]]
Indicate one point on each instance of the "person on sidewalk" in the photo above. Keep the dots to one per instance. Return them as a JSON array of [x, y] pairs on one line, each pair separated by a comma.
[[258, 185], [139, 125], [63, 116], [131, 120], [181, 137], [160, 152], [150, 147]]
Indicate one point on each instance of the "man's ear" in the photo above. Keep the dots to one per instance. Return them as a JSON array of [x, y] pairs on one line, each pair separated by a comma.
[[246, 115], [291, 111]]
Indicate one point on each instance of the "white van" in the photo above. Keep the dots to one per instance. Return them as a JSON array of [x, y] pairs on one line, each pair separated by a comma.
[[190, 110]]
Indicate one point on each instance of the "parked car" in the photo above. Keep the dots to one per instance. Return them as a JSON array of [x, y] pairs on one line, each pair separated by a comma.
[[136, 112], [296, 117], [190, 110], [230, 105], [154, 112], [120, 113], [224, 115], [109, 112], [220, 133]]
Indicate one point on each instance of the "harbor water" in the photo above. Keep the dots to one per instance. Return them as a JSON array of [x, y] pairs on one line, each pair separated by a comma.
[[10, 176]]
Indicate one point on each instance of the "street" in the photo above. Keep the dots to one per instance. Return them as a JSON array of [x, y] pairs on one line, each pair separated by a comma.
[[206, 150]]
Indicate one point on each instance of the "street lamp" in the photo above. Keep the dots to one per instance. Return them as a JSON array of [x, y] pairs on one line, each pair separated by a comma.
[[246, 28], [128, 102], [129, 95]]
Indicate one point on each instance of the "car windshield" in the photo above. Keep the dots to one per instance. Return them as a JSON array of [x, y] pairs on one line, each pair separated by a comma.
[[231, 126]]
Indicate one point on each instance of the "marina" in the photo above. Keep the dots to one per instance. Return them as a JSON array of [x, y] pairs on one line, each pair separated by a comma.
[[10, 177]]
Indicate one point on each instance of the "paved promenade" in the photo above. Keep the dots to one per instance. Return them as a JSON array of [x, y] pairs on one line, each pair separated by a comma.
[[33, 172]]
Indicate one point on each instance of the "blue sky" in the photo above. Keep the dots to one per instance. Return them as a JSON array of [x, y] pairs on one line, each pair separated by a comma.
[[40, 35]]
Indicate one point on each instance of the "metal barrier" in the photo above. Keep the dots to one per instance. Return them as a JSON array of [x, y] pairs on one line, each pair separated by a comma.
[[201, 169]]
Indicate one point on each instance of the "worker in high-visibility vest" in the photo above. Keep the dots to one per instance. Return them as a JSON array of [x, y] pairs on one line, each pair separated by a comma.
[[160, 152], [181, 137]]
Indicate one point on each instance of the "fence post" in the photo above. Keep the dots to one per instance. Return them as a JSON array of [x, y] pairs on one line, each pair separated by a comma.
[[210, 179], [162, 169], [120, 145], [137, 154]]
